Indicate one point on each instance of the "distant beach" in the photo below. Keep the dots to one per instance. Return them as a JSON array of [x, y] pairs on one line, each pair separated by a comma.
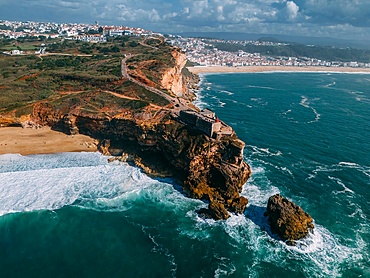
[[27, 141], [224, 69]]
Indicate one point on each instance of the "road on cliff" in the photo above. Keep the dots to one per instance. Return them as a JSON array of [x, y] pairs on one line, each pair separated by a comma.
[[178, 105]]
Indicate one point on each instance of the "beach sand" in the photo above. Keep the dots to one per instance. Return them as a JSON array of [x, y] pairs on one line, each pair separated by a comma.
[[27, 141], [222, 69]]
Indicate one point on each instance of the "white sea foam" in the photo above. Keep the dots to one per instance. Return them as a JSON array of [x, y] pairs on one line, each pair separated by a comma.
[[321, 253], [365, 170], [305, 103], [225, 267], [348, 164], [259, 101], [159, 248], [87, 186], [51, 189], [359, 96], [256, 99], [199, 102], [287, 112], [51, 182], [262, 87], [340, 182], [323, 250], [330, 85], [227, 92], [264, 151]]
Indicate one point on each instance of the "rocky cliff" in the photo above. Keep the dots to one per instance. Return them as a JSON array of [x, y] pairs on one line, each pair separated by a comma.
[[172, 79], [126, 123], [132, 105], [208, 169]]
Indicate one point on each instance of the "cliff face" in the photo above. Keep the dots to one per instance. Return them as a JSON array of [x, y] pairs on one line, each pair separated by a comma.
[[172, 79], [207, 169], [134, 115], [135, 120]]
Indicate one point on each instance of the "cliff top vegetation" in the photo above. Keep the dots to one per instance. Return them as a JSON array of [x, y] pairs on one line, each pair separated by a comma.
[[68, 71]]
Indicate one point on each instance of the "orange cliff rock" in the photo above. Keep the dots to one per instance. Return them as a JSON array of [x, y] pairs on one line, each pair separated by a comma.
[[208, 169], [172, 79]]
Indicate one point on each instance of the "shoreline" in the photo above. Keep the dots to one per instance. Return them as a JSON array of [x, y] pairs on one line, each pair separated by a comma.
[[250, 69], [28, 141]]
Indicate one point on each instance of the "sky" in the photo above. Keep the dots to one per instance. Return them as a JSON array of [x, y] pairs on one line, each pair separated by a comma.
[[345, 19]]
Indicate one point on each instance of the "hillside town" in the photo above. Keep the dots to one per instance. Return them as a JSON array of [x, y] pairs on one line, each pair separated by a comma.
[[198, 50], [76, 31]]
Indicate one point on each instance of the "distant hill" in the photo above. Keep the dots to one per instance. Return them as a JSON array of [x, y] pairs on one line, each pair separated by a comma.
[[321, 41]]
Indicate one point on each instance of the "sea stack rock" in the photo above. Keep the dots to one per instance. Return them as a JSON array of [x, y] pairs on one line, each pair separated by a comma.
[[215, 210], [287, 219]]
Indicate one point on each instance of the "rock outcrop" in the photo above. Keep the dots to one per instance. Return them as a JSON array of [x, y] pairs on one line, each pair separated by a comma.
[[208, 169], [145, 127], [287, 219], [172, 79]]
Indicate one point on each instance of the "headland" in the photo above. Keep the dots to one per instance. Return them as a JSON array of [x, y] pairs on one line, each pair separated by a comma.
[[134, 97]]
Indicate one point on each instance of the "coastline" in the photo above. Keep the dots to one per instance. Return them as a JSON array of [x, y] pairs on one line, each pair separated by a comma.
[[246, 69], [27, 141]]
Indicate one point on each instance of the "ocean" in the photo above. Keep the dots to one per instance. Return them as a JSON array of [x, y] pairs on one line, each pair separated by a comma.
[[307, 138]]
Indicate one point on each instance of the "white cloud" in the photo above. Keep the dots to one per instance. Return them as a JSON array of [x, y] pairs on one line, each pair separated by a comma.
[[253, 16], [292, 10], [136, 15]]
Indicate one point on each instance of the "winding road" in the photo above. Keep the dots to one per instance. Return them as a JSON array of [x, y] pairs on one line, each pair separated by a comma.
[[177, 103]]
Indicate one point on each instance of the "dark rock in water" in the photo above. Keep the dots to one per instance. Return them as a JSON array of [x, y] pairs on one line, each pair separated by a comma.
[[103, 146], [287, 219], [219, 211], [238, 204], [215, 210]]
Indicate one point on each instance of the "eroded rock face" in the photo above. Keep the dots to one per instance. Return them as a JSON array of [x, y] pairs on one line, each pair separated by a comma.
[[209, 169], [172, 79], [215, 210], [213, 170], [287, 219]]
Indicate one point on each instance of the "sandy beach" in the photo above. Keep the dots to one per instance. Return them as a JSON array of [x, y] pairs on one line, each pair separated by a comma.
[[27, 141], [223, 69]]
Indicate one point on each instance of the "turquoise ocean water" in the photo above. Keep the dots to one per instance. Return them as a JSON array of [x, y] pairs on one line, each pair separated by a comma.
[[307, 137]]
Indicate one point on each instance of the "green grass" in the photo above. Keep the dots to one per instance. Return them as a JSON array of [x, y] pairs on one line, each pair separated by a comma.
[[131, 89], [27, 79], [94, 102]]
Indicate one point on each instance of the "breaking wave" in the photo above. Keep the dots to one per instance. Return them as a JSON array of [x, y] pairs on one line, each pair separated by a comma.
[[87, 180]]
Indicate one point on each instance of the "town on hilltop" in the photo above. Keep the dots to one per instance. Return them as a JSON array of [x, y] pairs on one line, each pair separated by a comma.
[[78, 31], [204, 52], [200, 51]]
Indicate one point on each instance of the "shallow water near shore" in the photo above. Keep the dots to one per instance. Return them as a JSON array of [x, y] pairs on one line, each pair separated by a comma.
[[306, 137]]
